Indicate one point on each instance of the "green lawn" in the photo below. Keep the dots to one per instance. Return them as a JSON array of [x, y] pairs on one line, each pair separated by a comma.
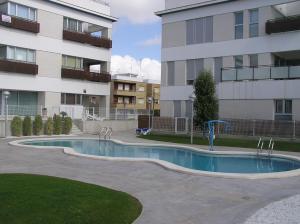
[[243, 143], [30, 199]]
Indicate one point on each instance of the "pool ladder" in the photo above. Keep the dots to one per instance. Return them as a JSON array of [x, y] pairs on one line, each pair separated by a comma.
[[106, 132], [260, 146]]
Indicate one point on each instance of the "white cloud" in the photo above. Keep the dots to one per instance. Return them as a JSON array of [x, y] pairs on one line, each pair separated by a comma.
[[151, 42], [137, 11], [146, 68]]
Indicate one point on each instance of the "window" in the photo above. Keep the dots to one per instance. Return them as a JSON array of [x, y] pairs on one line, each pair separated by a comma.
[[120, 86], [239, 61], [71, 99], [20, 54], [239, 25], [283, 109], [120, 99], [21, 11], [171, 73], [199, 30], [126, 100], [253, 60], [194, 68], [177, 108], [126, 87], [253, 26], [156, 90], [72, 62], [2, 52], [73, 25], [141, 89]]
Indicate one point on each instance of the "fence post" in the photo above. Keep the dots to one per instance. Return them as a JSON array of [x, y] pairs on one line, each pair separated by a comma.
[[294, 130], [254, 122], [175, 125]]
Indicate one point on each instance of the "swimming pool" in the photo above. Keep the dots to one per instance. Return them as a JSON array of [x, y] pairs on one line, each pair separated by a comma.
[[180, 156]]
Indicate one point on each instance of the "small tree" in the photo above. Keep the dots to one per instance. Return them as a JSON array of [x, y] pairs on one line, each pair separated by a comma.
[[16, 126], [206, 103], [48, 128], [57, 125], [37, 125], [27, 126], [67, 125]]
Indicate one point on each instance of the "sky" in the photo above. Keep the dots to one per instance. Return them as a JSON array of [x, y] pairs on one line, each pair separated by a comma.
[[137, 37]]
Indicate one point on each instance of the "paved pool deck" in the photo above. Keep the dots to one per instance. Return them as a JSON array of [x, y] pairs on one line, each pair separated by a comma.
[[168, 197]]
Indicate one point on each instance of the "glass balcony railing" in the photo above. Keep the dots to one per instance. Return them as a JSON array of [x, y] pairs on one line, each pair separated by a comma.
[[260, 73]]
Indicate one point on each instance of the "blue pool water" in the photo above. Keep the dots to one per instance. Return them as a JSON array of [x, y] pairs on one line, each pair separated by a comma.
[[183, 157]]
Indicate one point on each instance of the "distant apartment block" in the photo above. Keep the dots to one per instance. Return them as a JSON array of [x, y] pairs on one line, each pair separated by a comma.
[[133, 93], [46, 50], [252, 48]]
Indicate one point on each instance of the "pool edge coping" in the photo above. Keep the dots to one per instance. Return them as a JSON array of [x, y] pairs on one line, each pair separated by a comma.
[[165, 164]]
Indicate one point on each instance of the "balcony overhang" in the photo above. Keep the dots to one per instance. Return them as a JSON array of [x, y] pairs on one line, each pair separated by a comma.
[[20, 24], [86, 38], [285, 24], [85, 75], [18, 67]]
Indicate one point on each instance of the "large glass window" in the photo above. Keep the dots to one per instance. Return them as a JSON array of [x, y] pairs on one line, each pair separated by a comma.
[[2, 52], [20, 54], [253, 60], [254, 21], [284, 107], [199, 30], [71, 99], [239, 25], [194, 68], [21, 11], [171, 73], [72, 62], [239, 61], [72, 25]]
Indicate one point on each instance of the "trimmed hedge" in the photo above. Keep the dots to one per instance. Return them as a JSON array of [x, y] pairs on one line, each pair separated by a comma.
[[57, 124], [37, 125], [67, 125], [16, 126], [27, 126], [48, 127]]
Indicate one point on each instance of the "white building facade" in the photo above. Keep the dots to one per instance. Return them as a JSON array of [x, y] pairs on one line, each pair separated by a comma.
[[252, 48], [47, 49]]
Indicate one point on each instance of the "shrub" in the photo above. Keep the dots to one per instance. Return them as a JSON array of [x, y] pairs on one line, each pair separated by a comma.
[[48, 127], [67, 125], [57, 125], [37, 125], [16, 126], [27, 126]]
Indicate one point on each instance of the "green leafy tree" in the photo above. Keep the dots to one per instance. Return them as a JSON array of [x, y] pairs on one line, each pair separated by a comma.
[[16, 126], [37, 125], [57, 124], [206, 103], [48, 128], [27, 126], [67, 125]]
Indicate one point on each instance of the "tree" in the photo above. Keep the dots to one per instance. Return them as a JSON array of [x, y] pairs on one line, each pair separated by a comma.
[[206, 103]]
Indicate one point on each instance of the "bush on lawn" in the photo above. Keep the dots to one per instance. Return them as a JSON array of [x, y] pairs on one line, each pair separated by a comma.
[[48, 128], [16, 126], [67, 125], [27, 126], [57, 125], [37, 125]]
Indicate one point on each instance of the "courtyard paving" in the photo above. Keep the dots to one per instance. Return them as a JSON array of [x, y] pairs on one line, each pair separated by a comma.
[[168, 197]]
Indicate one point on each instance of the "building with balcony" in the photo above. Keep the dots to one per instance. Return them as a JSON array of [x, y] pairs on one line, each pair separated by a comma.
[[251, 47], [132, 93], [47, 50]]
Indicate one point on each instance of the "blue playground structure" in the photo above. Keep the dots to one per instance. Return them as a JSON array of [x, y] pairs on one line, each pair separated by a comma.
[[211, 131]]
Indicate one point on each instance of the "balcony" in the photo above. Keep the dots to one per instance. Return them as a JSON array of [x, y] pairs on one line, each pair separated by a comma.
[[20, 24], [260, 73], [86, 38], [18, 67], [285, 24], [69, 73]]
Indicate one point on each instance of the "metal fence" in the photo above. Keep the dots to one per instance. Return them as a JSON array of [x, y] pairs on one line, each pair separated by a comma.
[[235, 127]]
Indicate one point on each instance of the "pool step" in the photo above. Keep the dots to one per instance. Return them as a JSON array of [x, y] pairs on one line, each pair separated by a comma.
[[75, 130]]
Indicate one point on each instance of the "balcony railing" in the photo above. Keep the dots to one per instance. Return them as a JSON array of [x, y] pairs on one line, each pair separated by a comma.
[[284, 24], [69, 73], [260, 73], [86, 38], [18, 23], [18, 67]]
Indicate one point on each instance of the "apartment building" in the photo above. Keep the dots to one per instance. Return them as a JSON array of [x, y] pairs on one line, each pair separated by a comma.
[[131, 92], [251, 47], [47, 48]]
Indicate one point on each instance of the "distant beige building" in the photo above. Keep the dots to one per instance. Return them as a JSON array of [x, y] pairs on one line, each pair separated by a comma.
[[129, 92]]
